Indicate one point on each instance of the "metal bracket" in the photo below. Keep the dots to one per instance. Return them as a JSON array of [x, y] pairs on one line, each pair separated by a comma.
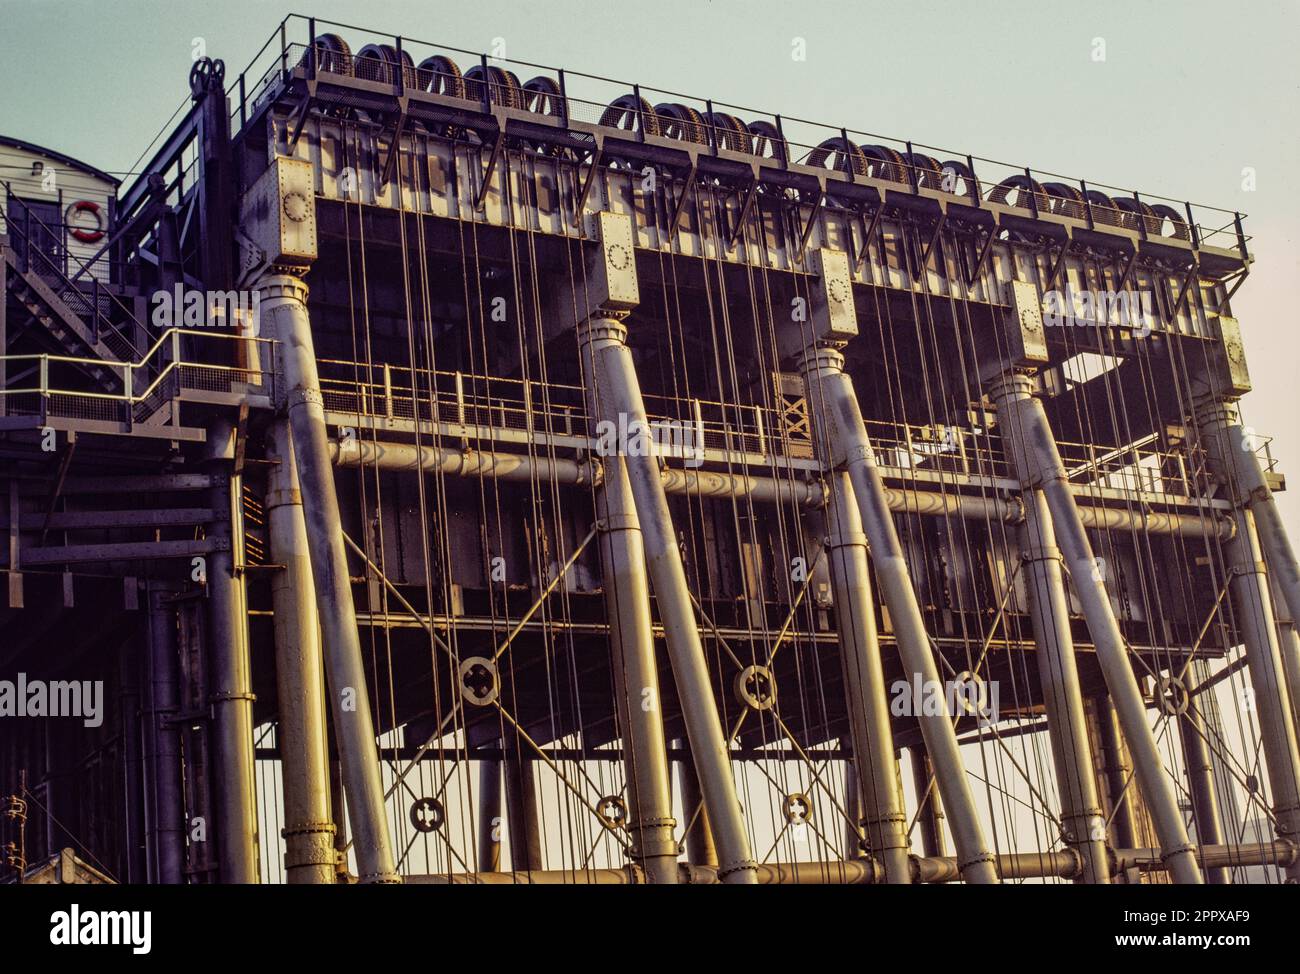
[[688, 190], [1050, 284], [596, 159], [869, 232], [301, 113], [934, 240], [744, 213], [806, 231], [394, 147], [491, 168], [979, 261]]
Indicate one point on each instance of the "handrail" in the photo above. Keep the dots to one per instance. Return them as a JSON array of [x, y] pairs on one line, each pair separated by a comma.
[[783, 123], [169, 336]]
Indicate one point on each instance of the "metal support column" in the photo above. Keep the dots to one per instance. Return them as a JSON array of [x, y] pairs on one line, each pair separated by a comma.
[[1024, 421], [284, 317], [1224, 440], [700, 850], [650, 820], [883, 817], [1113, 770], [489, 815], [837, 421], [299, 673], [930, 818], [1082, 823], [636, 677], [162, 745], [521, 812], [230, 696], [602, 344], [1200, 785], [1231, 449]]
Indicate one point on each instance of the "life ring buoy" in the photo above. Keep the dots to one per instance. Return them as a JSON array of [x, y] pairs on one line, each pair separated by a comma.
[[85, 234]]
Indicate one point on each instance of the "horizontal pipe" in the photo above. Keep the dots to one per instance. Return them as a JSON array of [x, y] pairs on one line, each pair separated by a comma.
[[1281, 853], [520, 468], [1065, 864]]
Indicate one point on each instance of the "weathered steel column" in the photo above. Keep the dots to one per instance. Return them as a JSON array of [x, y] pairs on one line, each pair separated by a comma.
[[1222, 437], [604, 340], [489, 815], [230, 689], [700, 850], [1082, 824], [1113, 770], [611, 291], [837, 419], [930, 819], [299, 672], [1289, 643], [1023, 419], [162, 745], [883, 816], [284, 317], [636, 677], [1200, 785], [521, 811], [632, 658]]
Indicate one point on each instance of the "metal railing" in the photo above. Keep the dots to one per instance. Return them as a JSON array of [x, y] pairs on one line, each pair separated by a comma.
[[557, 409], [412, 64], [163, 374]]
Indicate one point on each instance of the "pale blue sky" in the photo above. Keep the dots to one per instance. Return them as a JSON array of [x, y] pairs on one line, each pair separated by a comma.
[[1189, 94]]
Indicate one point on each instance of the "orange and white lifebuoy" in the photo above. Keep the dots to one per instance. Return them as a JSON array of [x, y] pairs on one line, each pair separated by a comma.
[[85, 234]]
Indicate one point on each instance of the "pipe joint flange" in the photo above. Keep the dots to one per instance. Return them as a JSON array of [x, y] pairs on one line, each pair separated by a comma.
[[1172, 696], [618, 522], [284, 497], [1283, 814], [860, 451], [658, 822], [845, 539], [311, 845], [736, 866], [894, 818], [309, 828], [607, 326], [304, 397], [480, 681], [612, 811], [755, 687], [963, 864], [1012, 384], [1177, 851], [381, 879], [282, 285], [1083, 827], [820, 358]]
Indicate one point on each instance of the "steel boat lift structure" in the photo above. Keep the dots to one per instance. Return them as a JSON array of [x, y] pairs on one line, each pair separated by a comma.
[[352, 590]]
